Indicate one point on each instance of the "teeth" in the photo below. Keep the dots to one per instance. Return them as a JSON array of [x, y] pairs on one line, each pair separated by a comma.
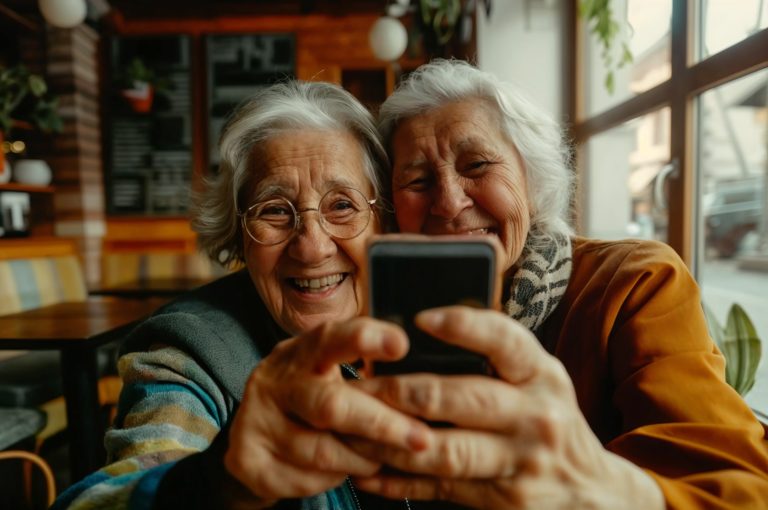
[[478, 231], [318, 283]]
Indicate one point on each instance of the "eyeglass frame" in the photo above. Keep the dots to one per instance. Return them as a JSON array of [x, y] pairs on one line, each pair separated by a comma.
[[297, 221]]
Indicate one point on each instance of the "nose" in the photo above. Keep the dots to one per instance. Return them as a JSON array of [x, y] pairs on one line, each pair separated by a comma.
[[449, 197], [311, 244]]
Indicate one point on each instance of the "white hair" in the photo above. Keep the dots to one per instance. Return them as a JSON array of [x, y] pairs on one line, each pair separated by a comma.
[[537, 137], [287, 106]]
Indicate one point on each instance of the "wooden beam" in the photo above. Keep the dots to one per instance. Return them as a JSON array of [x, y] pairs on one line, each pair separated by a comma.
[[19, 19], [738, 60], [636, 106]]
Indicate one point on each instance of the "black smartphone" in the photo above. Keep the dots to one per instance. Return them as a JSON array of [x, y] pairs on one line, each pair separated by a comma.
[[408, 275]]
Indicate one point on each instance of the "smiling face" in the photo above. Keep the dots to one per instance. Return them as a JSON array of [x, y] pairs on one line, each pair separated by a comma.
[[454, 172], [310, 278]]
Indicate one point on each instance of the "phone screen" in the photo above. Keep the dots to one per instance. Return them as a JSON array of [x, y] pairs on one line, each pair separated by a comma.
[[409, 276]]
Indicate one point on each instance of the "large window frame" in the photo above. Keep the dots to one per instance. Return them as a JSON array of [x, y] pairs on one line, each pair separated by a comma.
[[688, 79]]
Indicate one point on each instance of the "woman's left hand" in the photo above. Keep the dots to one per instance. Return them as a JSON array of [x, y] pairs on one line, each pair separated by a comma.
[[519, 441]]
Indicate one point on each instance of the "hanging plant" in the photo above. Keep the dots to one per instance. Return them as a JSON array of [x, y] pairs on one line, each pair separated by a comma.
[[440, 16], [598, 16]]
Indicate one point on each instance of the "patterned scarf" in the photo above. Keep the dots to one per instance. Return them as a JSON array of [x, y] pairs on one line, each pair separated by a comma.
[[540, 281]]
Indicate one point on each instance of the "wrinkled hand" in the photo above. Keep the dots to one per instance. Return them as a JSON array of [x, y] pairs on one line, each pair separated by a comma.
[[520, 440], [283, 440]]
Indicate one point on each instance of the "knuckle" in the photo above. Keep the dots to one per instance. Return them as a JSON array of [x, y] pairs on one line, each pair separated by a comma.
[[453, 459], [393, 490], [426, 397], [444, 489], [551, 424], [322, 455], [536, 463], [391, 390], [329, 409], [560, 377]]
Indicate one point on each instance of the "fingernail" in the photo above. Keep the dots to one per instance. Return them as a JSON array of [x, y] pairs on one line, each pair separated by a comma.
[[431, 319], [418, 437], [371, 339]]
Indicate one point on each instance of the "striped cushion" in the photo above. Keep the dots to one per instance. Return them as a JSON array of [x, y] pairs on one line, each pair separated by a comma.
[[35, 282], [122, 268]]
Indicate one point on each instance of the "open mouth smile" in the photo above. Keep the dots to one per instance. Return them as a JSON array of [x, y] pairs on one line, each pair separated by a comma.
[[482, 231], [317, 285]]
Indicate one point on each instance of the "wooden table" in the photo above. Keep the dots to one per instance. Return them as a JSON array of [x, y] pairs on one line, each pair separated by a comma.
[[76, 329], [167, 287]]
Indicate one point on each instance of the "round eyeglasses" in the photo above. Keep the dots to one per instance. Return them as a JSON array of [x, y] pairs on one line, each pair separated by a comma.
[[343, 214]]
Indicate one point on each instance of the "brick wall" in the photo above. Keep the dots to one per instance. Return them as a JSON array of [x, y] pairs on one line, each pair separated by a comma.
[[72, 69]]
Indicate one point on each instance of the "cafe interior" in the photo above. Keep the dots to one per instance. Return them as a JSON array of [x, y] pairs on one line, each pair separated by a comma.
[[110, 112]]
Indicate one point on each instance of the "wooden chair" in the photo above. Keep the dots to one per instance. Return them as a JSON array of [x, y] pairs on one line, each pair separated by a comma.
[[31, 379], [18, 427]]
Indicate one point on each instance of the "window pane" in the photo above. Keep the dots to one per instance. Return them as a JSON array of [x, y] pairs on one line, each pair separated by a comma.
[[725, 23], [732, 167], [645, 25], [623, 166]]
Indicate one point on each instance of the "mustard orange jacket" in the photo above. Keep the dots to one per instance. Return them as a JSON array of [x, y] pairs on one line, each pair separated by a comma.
[[631, 332]]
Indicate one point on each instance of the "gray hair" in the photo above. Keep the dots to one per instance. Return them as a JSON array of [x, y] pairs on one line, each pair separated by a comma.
[[291, 105], [537, 137]]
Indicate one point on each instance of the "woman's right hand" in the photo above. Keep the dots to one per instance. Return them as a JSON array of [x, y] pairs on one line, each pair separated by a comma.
[[283, 442]]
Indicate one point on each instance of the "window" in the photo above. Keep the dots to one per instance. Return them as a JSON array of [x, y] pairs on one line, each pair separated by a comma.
[[686, 137], [646, 32], [624, 163]]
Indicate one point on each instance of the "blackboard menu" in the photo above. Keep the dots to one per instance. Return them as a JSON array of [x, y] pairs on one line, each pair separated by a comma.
[[238, 64], [149, 151]]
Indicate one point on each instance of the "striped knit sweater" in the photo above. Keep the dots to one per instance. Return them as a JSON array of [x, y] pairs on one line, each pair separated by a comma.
[[184, 370]]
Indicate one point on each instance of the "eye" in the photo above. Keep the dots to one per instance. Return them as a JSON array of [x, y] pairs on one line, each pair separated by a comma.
[[475, 166], [274, 210], [416, 183], [341, 205]]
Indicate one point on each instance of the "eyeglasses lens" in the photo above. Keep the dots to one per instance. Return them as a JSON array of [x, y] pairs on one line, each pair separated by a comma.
[[344, 214]]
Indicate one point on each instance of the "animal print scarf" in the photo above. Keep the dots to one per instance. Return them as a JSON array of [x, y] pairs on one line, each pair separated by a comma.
[[540, 281]]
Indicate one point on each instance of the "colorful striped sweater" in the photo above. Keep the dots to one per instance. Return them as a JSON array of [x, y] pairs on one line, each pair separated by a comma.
[[184, 370]]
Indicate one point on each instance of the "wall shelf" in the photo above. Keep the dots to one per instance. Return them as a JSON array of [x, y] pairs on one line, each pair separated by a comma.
[[28, 188]]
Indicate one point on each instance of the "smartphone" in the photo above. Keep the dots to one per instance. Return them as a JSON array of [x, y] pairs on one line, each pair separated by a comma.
[[408, 275]]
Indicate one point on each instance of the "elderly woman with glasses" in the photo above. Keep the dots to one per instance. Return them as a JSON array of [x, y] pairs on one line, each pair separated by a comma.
[[197, 426]]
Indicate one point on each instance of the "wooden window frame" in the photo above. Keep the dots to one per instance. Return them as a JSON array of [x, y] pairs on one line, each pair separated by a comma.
[[687, 80]]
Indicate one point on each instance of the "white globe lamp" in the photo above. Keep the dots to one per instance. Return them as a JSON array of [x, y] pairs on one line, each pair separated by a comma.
[[63, 13], [388, 38]]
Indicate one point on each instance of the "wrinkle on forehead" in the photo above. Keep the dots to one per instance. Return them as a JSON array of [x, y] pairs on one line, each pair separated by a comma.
[[441, 133], [307, 163], [287, 191]]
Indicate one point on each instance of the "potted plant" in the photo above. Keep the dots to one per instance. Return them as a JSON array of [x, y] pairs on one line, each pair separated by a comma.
[[740, 345], [24, 98], [139, 84]]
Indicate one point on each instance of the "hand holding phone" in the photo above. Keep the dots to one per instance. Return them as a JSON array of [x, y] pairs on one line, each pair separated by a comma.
[[408, 274]]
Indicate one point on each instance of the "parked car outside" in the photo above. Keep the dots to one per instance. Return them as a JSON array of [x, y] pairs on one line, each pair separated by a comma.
[[731, 211]]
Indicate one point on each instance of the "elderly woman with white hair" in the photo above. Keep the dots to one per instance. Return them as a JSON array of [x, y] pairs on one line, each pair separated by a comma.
[[235, 394], [608, 391]]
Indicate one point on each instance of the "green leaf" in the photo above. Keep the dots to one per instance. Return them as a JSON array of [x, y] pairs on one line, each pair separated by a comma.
[[744, 348], [37, 85], [714, 327], [599, 17], [609, 85]]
